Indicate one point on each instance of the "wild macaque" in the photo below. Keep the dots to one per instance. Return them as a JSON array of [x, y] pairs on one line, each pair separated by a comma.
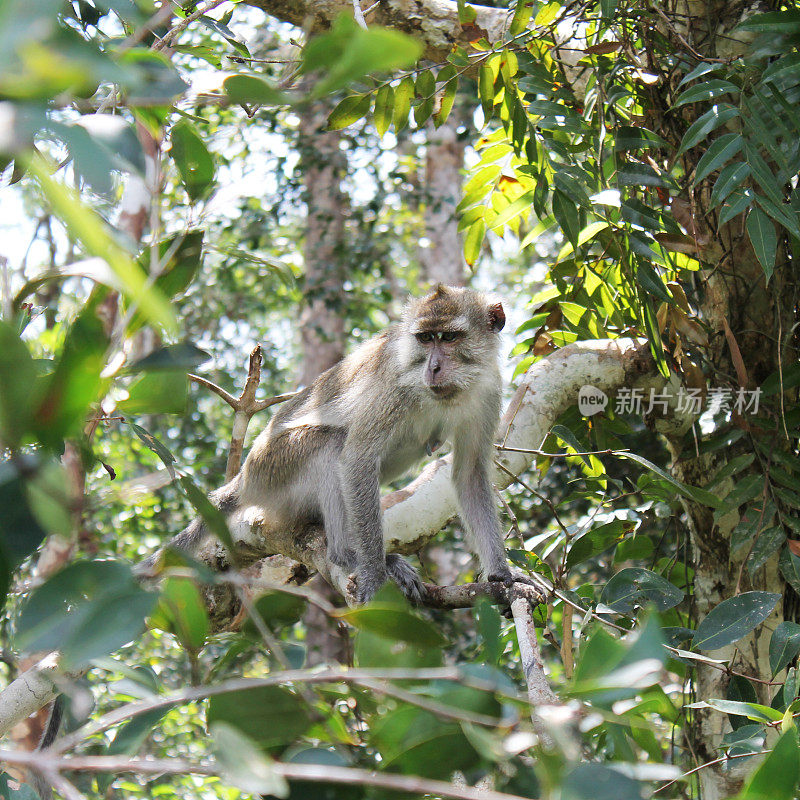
[[431, 377]]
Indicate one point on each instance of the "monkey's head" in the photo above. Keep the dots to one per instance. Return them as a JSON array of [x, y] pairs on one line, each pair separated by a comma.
[[451, 335]]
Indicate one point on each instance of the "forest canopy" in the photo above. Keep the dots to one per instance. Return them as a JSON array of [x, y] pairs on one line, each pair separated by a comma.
[[205, 205]]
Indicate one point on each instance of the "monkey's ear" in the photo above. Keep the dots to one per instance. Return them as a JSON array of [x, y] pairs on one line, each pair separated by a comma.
[[497, 317]]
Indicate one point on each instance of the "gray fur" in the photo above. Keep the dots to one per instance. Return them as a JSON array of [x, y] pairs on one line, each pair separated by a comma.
[[367, 420]]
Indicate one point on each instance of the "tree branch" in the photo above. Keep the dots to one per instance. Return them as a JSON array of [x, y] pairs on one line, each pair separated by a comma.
[[433, 22], [41, 760]]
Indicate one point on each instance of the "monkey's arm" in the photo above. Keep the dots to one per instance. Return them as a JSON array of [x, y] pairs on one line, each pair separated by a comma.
[[471, 476]]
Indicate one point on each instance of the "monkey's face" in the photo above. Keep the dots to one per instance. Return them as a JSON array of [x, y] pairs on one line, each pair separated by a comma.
[[439, 351], [455, 341]]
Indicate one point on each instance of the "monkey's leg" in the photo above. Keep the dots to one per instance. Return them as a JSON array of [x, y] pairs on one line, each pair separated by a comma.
[[361, 488], [334, 519], [479, 515]]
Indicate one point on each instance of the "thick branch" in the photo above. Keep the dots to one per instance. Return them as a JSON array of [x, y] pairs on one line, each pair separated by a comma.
[[25, 695], [433, 22]]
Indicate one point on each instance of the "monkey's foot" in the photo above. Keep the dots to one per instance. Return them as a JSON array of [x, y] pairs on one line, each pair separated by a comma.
[[364, 585], [501, 576], [406, 577]]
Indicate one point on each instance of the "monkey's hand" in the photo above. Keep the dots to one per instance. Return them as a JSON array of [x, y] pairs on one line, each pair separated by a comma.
[[512, 575]]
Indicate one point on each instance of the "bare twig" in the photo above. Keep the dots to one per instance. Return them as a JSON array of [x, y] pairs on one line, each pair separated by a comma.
[[545, 454], [244, 407], [358, 14], [292, 772], [170, 35], [720, 760]]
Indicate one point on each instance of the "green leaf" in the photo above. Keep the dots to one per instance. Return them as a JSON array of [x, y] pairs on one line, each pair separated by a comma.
[[182, 611], [776, 778], [76, 380], [733, 618], [703, 68], [161, 392], [20, 531], [180, 258], [448, 94], [599, 782], [349, 110], [466, 13], [709, 90], [568, 437], [473, 241], [402, 103], [522, 16], [89, 229], [698, 131], [651, 282], [183, 356], [634, 587], [782, 23], [269, 715], [425, 88], [384, 108], [211, 515], [393, 622], [17, 382], [89, 609], [243, 765], [194, 162], [730, 178], [719, 152], [740, 690], [692, 492], [784, 646], [486, 91], [252, 90], [762, 235], [745, 490], [633, 174], [278, 610], [157, 447], [762, 173], [512, 210], [348, 53], [566, 214], [768, 542], [789, 565], [488, 624], [736, 203], [755, 711]]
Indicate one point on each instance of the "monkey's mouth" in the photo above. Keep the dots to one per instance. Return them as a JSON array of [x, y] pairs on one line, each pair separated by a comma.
[[443, 391]]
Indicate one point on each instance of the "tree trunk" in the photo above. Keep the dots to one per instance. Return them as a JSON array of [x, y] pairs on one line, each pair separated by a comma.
[[442, 260], [322, 328], [323, 164], [738, 306]]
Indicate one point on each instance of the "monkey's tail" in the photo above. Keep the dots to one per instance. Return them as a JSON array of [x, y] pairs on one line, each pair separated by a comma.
[[226, 499], [40, 784]]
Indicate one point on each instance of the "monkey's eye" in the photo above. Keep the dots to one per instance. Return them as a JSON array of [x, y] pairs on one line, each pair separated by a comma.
[[424, 338], [451, 336]]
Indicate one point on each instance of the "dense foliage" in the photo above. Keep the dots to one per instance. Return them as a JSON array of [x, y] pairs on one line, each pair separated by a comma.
[[665, 171]]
